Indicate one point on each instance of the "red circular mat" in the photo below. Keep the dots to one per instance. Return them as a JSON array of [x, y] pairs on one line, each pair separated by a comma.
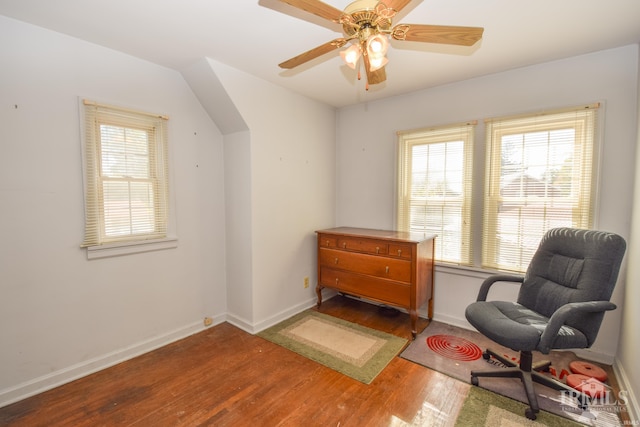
[[454, 347], [588, 369]]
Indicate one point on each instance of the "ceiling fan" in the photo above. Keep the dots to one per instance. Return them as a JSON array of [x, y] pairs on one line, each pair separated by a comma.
[[368, 23]]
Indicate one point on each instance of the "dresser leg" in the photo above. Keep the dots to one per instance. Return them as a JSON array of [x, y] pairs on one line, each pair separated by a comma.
[[413, 314], [319, 293]]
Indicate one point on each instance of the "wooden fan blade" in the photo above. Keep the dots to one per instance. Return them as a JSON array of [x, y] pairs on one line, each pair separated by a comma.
[[398, 5], [377, 76], [313, 53], [316, 7], [374, 77], [443, 34]]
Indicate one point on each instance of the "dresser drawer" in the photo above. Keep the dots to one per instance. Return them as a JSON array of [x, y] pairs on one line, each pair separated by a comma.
[[369, 246], [382, 290], [327, 241], [384, 267], [400, 250]]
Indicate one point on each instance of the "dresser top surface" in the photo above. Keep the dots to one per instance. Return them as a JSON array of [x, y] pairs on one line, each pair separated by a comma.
[[379, 234]]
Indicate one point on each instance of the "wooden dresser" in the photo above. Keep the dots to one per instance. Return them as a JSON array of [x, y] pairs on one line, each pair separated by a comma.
[[389, 267]]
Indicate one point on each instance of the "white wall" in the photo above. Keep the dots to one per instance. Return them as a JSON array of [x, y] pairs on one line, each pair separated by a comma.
[[247, 203], [238, 206], [292, 165], [629, 348], [366, 151], [61, 315]]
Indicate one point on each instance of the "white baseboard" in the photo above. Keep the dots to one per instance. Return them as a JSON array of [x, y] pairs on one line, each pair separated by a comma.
[[240, 322], [632, 403], [594, 355], [453, 321], [79, 370], [74, 372], [254, 328]]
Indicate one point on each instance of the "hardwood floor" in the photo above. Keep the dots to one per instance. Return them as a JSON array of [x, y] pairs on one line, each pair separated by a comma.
[[226, 377]]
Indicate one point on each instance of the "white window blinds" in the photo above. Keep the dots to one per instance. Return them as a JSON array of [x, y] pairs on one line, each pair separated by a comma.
[[126, 175], [540, 175], [434, 187]]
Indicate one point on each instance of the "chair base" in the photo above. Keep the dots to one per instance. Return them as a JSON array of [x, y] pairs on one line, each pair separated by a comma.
[[528, 374]]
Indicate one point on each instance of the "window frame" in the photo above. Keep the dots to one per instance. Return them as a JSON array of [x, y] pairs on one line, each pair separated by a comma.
[[584, 171], [407, 140], [481, 157], [97, 243]]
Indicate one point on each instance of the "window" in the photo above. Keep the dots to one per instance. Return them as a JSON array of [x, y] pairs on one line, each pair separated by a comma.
[[434, 187], [540, 175], [126, 176]]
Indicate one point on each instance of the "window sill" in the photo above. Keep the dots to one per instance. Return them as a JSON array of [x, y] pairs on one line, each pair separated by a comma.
[[128, 248], [460, 270]]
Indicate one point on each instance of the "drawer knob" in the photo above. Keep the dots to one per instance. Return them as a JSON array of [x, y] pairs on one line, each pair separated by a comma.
[[399, 252], [328, 243], [344, 245], [337, 280], [336, 260], [377, 250], [386, 269]]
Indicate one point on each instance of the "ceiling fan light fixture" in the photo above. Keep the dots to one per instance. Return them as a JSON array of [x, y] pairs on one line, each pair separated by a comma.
[[351, 55], [368, 23], [377, 63], [377, 46]]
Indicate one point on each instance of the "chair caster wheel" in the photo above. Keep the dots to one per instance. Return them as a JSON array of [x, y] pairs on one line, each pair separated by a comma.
[[474, 380], [583, 402], [530, 414]]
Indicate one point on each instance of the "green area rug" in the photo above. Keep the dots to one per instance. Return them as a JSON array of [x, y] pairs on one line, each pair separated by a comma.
[[354, 350], [485, 408]]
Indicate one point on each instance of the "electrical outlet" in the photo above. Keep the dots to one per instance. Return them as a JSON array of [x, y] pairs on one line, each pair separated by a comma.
[[306, 282], [208, 321]]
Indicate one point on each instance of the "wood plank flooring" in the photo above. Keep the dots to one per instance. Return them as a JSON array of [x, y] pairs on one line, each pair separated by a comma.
[[226, 377]]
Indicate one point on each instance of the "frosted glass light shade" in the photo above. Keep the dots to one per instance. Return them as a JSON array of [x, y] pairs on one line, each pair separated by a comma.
[[377, 63], [351, 55]]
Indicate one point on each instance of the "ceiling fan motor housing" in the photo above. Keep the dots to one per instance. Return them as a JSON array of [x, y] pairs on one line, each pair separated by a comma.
[[362, 18]]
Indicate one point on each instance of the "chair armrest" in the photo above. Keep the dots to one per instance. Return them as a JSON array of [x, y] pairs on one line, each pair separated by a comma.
[[484, 288], [559, 318]]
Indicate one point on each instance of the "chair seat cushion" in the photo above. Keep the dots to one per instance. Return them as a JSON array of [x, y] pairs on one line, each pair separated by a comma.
[[517, 327]]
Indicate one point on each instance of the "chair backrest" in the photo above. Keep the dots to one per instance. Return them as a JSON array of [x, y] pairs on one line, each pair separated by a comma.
[[573, 265]]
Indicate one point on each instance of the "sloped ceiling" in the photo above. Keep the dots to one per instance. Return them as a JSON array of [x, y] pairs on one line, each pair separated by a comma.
[[255, 36]]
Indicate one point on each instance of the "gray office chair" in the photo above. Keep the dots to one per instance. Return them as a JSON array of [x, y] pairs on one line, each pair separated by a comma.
[[560, 305]]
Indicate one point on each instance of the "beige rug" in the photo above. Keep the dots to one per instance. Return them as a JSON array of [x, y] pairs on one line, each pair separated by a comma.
[[354, 350], [488, 409]]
